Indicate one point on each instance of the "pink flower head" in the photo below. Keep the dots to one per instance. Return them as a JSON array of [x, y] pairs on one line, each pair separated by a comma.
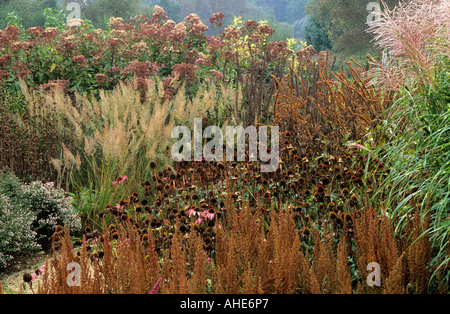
[[81, 60], [120, 180], [356, 145], [38, 272], [209, 214], [194, 211]]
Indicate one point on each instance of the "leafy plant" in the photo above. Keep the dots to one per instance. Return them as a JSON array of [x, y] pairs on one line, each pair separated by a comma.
[[16, 234], [54, 18], [30, 213]]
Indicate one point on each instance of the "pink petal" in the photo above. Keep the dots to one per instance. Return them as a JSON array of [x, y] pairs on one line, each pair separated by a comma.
[[156, 286]]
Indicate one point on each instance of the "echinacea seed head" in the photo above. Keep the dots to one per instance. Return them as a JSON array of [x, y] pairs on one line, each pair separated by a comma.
[[348, 217], [27, 277]]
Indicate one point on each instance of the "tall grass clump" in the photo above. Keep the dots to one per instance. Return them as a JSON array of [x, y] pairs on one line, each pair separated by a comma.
[[120, 135], [417, 129]]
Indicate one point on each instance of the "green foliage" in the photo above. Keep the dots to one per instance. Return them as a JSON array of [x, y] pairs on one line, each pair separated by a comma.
[[295, 10], [290, 13], [341, 25], [50, 206], [13, 19], [29, 213], [417, 153], [54, 18], [317, 35], [30, 12], [16, 234]]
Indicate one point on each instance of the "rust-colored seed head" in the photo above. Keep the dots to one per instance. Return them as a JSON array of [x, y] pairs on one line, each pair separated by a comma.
[[27, 277]]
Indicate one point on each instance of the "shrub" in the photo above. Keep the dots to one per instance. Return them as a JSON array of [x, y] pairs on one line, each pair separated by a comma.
[[29, 213], [16, 235], [50, 206]]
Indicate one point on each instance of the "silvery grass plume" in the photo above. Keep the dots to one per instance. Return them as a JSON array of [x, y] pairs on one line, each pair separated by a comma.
[[415, 35]]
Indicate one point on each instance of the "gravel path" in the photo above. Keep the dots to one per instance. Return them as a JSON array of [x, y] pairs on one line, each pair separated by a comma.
[[12, 279]]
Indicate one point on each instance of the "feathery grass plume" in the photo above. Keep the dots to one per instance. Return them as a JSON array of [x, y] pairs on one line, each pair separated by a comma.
[[415, 149], [415, 36], [28, 142], [116, 133]]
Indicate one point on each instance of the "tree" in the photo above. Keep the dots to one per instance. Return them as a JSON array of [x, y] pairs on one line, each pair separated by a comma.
[[99, 11], [31, 12], [295, 10], [343, 22], [317, 35], [172, 8]]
